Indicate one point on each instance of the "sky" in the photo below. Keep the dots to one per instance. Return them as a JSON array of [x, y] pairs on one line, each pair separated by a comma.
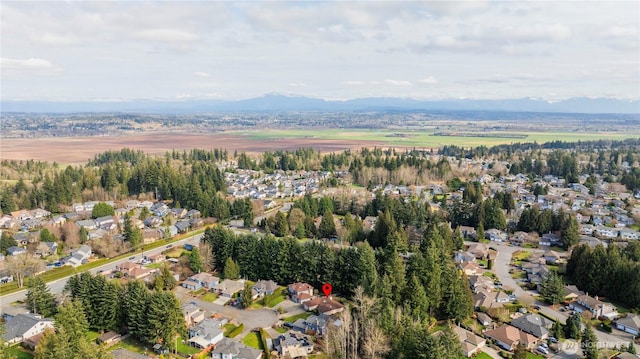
[[160, 50]]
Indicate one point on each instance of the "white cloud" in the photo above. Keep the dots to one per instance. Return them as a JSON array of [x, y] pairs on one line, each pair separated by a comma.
[[30, 66], [165, 35], [397, 82], [202, 74], [429, 80]]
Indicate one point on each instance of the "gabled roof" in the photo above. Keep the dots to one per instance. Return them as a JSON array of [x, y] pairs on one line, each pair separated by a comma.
[[18, 325], [510, 335], [630, 321], [533, 324]]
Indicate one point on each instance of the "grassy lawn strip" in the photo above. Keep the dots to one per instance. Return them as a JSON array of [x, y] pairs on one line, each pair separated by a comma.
[[209, 297], [253, 340], [534, 356], [236, 331], [483, 355], [185, 348], [276, 298], [293, 318], [256, 305]]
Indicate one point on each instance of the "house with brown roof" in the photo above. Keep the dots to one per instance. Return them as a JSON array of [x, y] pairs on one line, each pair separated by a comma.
[[324, 305], [469, 342], [300, 292], [471, 268], [486, 299], [508, 337]]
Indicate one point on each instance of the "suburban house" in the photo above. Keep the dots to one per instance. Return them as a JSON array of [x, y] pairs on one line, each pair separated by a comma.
[[25, 326], [468, 232], [300, 292], [293, 345], [571, 292], [533, 324], [228, 287], [461, 257], [471, 268], [324, 305], [629, 324], [481, 283], [484, 319], [206, 333], [480, 250], [79, 256], [470, 343], [314, 324], [201, 280], [192, 314], [552, 257], [495, 235], [508, 337], [230, 349], [15, 250], [487, 300], [597, 307], [263, 287]]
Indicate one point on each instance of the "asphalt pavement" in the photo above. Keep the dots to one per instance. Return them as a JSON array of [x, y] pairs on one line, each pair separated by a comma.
[[57, 286]]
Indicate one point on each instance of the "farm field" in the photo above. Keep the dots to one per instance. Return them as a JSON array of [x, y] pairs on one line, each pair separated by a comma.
[[68, 150]]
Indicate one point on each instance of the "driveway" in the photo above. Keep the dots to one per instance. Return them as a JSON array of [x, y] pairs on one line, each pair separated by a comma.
[[501, 268], [252, 318]]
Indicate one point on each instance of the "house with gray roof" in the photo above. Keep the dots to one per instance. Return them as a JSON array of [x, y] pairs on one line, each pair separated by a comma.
[[629, 324], [207, 332], [25, 326], [229, 349], [533, 324]]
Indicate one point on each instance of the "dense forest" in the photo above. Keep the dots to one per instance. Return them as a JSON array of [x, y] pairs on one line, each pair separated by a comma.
[[612, 272]]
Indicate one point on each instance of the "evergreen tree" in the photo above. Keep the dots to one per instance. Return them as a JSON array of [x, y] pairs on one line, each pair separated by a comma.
[[458, 239], [135, 306], [47, 236], [84, 235], [102, 209], [281, 227], [572, 328], [246, 295], [327, 226], [131, 233], [480, 233], [416, 298], [552, 288], [589, 343], [164, 319], [72, 320], [168, 282], [231, 269], [195, 262], [631, 348], [556, 329], [570, 235], [39, 298], [6, 241]]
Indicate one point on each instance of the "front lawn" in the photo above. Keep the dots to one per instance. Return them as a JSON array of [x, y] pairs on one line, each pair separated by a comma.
[[209, 297], [534, 356], [293, 318], [483, 355], [253, 340], [185, 348], [17, 351]]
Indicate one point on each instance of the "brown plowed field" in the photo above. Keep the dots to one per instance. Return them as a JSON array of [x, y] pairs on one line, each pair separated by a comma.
[[80, 149]]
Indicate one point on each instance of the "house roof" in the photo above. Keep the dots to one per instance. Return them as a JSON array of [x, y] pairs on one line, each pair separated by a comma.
[[18, 325], [266, 285], [533, 324], [300, 287], [468, 337], [630, 321], [205, 277], [510, 335]]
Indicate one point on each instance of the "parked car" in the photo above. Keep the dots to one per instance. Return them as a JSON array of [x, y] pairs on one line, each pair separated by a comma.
[[553, 339], [543, 350]]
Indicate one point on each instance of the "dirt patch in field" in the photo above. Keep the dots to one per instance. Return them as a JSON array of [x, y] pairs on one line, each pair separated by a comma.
[[81, 149]]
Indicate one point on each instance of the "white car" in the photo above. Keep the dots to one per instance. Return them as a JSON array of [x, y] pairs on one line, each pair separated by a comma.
[[543, 350]]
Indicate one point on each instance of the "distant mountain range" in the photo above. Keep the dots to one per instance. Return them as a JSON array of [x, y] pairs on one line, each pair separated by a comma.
[[282, 103]]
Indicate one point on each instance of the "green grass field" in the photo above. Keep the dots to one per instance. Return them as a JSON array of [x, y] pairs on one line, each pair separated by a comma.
[[253, 340], [426, 137], [18, 352], [293, 318]]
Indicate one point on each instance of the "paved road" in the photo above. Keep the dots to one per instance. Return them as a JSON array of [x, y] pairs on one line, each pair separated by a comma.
[[501, 268], [58, 285]]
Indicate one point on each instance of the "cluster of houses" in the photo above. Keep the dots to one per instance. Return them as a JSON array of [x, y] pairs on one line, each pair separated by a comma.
[[258, 185]]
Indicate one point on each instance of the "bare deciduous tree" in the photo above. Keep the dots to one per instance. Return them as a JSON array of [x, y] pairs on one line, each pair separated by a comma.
[[22, 266], [206, 255]]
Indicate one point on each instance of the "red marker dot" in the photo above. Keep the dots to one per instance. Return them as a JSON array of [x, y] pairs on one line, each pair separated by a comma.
[[326, 288]]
